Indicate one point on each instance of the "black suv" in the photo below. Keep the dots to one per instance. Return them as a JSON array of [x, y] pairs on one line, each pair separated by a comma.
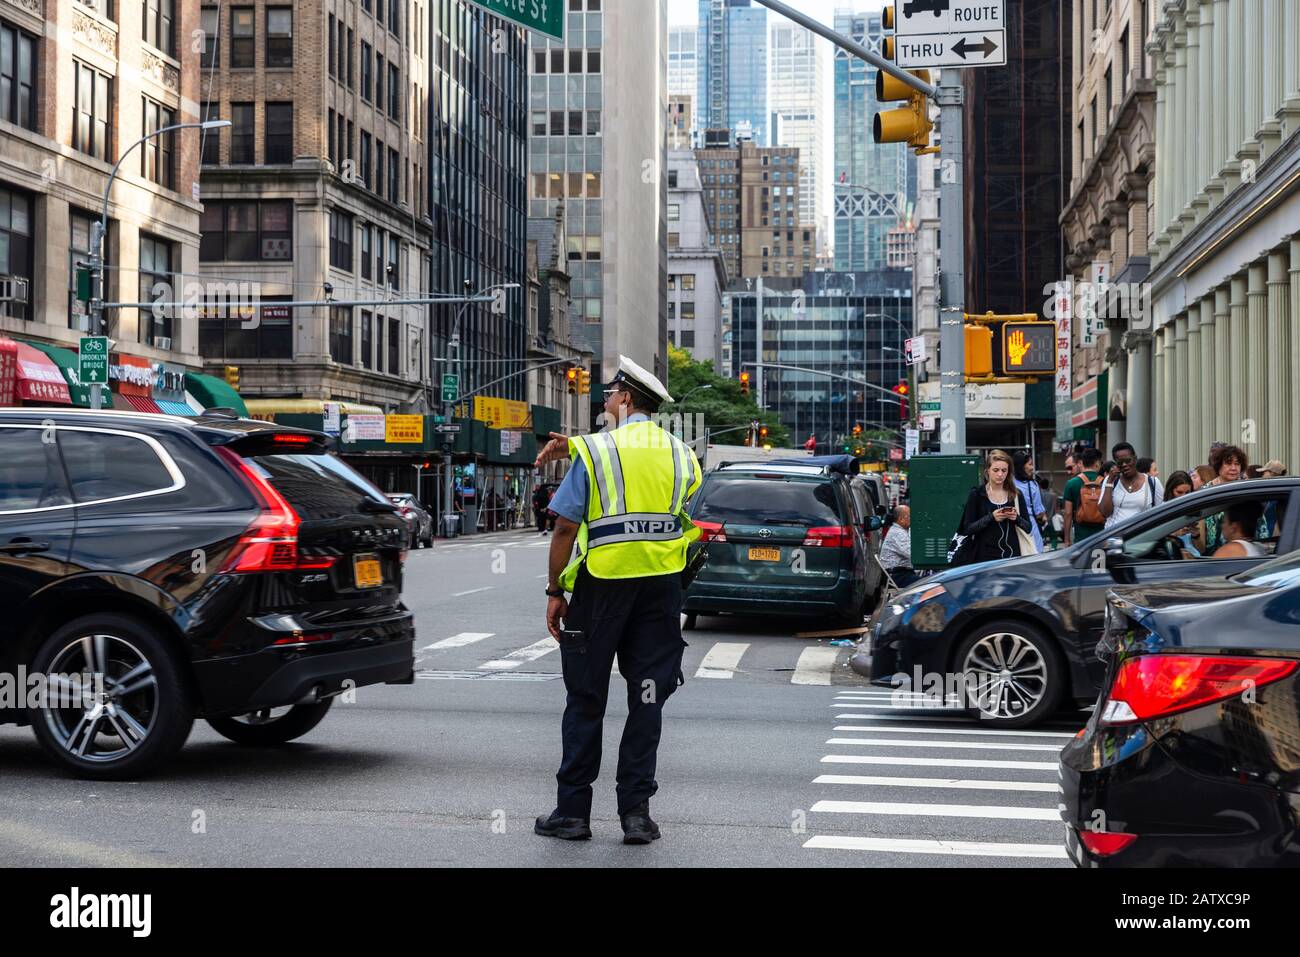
[[157, 568]]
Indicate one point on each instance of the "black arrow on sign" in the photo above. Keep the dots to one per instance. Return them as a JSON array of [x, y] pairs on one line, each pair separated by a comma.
[[961, 48]]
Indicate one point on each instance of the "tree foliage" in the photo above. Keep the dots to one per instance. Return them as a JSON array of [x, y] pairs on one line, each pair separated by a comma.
[[723, 405]]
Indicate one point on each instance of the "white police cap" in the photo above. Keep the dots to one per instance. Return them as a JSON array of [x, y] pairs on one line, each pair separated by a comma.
[[630, 372]]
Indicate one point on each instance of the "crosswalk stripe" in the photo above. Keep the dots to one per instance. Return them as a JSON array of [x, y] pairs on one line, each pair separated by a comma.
[[472, 591], [722, 660], [967, 745], [989, 812], [459, 641], [968, 784], [815, 666], [940, 720], [522, 655], [947, 848], [911, 762], [968, 731]]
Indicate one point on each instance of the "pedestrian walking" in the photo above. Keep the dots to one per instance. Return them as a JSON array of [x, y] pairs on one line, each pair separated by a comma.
[[1052, 506], [1274, 469], [1126, 492], [624, 505], [896, 549], [1082, 498], [541, 500], [1179, 484], [1202, 476], [1027, 486], [995, 516]]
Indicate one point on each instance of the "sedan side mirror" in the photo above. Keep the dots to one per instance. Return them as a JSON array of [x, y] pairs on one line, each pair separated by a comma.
[[1114, 551]]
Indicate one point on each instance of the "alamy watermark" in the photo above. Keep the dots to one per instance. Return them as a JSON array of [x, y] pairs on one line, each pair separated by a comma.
[[37, 690]]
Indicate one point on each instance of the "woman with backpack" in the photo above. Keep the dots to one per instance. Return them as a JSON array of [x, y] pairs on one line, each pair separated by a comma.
[[996, 521], [1126, 491]]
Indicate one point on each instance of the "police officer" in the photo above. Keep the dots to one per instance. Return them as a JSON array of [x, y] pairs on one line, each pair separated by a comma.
[[623, 504]]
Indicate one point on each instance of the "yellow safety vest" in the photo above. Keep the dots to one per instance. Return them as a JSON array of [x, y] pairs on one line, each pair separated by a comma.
[[639, 478]]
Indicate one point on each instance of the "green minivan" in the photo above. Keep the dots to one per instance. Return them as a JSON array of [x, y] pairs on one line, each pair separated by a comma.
[[785, 539]]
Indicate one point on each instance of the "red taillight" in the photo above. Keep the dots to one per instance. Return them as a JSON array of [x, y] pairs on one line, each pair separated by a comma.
[[291, 438], [1153, 686], [301, 639], [833, 537], [270, 544], [711, 531], [1105, 843]]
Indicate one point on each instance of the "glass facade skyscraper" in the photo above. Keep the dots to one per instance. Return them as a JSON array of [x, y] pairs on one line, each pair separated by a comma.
[[874, 183], [732, 56]]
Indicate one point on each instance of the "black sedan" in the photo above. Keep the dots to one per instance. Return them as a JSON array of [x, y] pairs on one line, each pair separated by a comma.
[[1192, 756], [1015, 639]]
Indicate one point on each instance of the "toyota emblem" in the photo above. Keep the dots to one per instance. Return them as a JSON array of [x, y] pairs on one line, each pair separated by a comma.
[[765, 533]]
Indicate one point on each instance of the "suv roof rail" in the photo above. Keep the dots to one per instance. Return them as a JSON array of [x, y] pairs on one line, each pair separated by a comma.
[[221, 412]]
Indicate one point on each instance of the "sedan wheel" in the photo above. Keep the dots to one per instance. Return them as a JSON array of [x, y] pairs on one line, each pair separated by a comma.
[[1011, 676], [116, 704]]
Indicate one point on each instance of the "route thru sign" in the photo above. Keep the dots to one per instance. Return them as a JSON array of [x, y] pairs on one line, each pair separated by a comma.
[[951, 33]]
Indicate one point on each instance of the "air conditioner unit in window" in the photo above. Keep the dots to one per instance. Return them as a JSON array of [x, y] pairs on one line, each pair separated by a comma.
[[13, 289], [163, 342]]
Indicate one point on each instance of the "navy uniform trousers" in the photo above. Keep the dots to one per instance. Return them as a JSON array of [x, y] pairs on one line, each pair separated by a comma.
[[639, 620]]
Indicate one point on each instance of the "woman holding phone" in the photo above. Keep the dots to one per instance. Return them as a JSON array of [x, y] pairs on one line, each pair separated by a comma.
[[994, 512]]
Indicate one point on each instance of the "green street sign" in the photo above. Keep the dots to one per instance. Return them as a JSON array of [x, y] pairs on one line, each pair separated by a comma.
[[92, 360], [544, 16], [450, 388], [83, 286]]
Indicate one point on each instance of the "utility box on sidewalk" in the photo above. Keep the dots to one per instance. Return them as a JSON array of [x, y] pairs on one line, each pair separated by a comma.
[[938, 487]]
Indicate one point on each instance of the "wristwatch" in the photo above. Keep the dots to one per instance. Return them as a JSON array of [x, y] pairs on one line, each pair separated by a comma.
[[557, 593]]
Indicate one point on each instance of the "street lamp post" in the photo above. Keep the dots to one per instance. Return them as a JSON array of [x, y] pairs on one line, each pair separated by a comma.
[[448, 408], [97, 324]]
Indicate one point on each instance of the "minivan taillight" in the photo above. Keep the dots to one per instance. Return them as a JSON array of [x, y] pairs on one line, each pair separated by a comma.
[[833, 537], [711, 531], [1154, 686], [270, 543]]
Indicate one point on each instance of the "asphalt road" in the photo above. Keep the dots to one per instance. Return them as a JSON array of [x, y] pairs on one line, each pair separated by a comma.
[[774, 754]]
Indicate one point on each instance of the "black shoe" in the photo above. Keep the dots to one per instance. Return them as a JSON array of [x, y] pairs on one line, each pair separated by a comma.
[[638, 828], [565, 828]]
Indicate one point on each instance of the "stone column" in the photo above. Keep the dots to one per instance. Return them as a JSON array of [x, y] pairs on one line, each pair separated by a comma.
[[1273, 27], [1181, 131], [1193, 182], [1160, 423], [1205, 381], [1138, 428], [1191, 374], [1235, 92], [1205, 164], [1218, 385], [1278, 444], [1290, 40], [1223, 153], [1238, 338], [1293, 367], [1164, 166], [1251, 42], [1179, 395], [1257, 397]]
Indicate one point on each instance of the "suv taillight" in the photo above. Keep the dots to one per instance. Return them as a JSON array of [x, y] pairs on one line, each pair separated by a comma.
[[711, 531], [270, 543], [833, 537], [1154, 686]]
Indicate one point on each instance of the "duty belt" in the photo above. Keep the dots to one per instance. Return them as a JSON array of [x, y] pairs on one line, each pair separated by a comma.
[[636, 527]]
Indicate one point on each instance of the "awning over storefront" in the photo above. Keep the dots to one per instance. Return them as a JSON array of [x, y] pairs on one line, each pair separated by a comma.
[[39, 380], [212, 393], [177, 408], [66, 360], [141, 403]]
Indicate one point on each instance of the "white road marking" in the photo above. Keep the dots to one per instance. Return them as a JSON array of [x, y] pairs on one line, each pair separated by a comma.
[[472, 591], [968, 784], [990, 812], [947, 848], [1016, 734], [459, 641], [967, 745], [939, 762], [722, 660], [522, 655], [815, 666]]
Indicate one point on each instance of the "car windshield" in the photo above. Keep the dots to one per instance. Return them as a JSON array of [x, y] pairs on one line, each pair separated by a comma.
[[769, 500], [1280, 571]]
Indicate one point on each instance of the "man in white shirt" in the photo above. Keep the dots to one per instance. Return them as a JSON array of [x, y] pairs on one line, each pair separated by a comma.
[[896, 552], [1126, 491]]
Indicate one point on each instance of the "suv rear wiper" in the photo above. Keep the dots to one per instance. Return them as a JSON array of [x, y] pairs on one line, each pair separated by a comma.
[[372, 507]]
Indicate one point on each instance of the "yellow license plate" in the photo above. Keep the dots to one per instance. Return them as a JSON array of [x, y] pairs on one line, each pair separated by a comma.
[[367, 571], [765, 554]]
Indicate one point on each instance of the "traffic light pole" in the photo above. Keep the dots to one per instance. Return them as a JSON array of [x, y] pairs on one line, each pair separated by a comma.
[[952, 273]]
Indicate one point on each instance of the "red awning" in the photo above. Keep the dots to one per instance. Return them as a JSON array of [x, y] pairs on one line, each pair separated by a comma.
[[39, 379], [140, 403], [8, 372]]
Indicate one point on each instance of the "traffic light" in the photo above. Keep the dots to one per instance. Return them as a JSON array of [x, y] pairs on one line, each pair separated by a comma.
[[1028, 348], [901, 391], [232, 377], [571, 380], [857, 430], [762, 433], [584, 382], [979, 351], [744, 383]]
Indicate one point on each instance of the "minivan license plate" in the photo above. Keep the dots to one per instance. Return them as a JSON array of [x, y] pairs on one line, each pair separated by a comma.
[[367, 572], [765, 554]]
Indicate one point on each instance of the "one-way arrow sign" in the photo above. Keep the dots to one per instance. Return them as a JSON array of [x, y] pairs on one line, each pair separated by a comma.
[[964, 46]]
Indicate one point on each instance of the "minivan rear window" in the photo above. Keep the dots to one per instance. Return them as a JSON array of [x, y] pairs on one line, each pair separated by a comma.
[[779, 500], [317, 486]]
